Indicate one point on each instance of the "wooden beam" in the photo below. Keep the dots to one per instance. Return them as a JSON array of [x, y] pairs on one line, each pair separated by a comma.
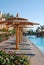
[[22, 26], [17, 37]]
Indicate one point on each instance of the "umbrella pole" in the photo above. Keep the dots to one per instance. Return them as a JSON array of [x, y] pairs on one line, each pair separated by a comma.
[[17, 37], [20, 35]]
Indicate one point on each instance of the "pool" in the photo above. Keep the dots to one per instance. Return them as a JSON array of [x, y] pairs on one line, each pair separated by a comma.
[[38, 41]]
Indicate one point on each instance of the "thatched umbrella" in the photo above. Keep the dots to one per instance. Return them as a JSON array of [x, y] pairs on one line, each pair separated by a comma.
[[18, 22]]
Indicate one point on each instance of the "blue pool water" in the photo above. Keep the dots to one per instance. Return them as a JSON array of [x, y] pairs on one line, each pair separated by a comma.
[[38, 41]]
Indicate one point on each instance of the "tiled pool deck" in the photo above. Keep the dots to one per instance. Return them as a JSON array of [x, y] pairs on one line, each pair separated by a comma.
[[38, 59]]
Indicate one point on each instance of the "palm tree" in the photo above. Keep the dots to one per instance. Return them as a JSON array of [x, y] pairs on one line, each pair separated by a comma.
[[9, 16], [40, 31], [6, 16]]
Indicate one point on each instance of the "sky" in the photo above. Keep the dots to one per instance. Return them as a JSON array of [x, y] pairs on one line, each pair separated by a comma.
[[33, 10]]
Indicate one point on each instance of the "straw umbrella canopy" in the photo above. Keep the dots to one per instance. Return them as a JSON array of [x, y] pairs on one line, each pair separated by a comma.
[[1, 22], [18, 23]]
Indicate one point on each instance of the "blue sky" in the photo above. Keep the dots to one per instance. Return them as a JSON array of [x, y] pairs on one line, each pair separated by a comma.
[[30, 9]]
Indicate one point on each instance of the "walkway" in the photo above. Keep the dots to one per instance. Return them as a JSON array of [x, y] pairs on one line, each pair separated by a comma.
[[26, 46], [38, 59]]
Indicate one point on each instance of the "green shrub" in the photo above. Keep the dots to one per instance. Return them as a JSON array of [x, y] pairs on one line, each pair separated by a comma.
[[4, 30], [0, 38], [12, 31], [8, 59]]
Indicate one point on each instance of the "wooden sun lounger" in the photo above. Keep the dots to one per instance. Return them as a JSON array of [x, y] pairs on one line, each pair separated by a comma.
[[24, 44], [21, 53], [26, 49], [13, 43], [29, 54], [20, 49]]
